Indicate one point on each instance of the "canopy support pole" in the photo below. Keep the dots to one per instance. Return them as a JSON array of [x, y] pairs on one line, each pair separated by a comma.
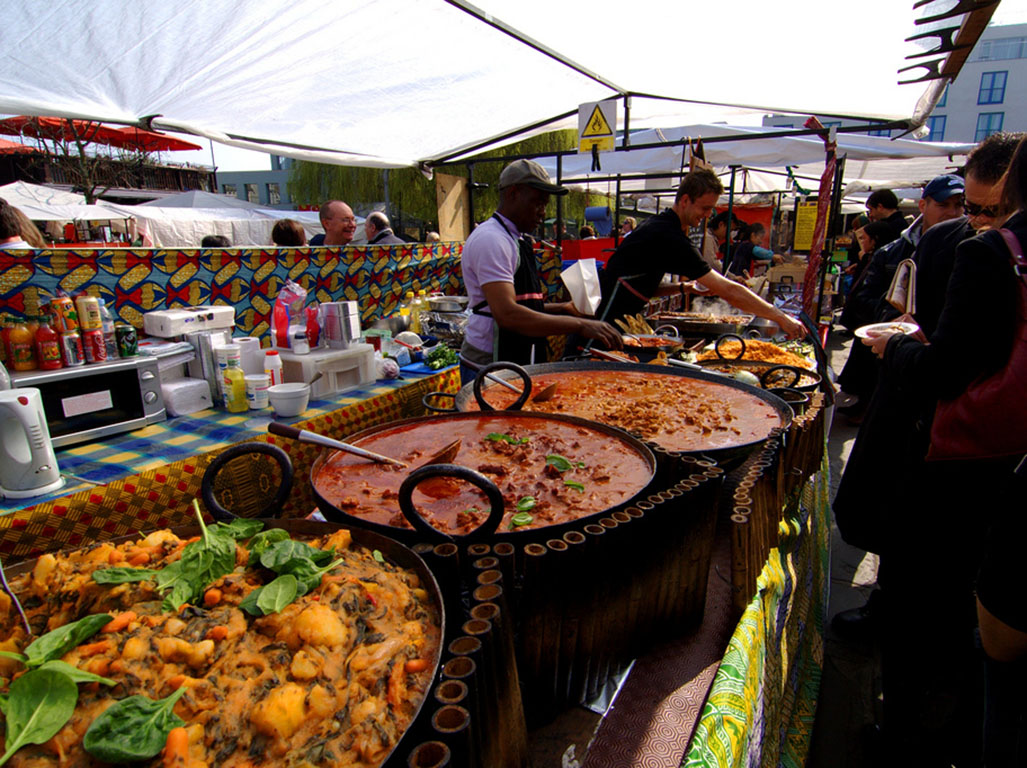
[[730, 218]]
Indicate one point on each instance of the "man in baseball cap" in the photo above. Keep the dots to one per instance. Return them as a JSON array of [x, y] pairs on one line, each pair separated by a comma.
[[531, 174], [510, 318]]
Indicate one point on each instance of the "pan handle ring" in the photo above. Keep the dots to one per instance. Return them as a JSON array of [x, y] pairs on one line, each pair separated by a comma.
[[215, 467], [502, 366], [731, 337], [426, 402], [674, 333], [767, 383], [419, 475]]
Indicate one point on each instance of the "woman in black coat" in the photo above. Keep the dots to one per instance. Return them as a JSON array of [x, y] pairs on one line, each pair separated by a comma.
[[964, 512]]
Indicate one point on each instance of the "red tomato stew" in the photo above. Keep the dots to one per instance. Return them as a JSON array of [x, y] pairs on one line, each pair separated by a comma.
[[549, 471], [677, 412]]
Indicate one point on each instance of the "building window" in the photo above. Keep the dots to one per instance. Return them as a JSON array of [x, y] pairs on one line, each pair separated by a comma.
[[251, 193], [993, 88], [879, 132], [987, 124], [944, 97], [274, 195], [1000, 50], [229, 189], [936, 125]]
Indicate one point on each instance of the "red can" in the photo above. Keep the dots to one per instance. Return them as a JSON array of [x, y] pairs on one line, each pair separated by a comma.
[[71, 349], [94, 345], [63, 316]]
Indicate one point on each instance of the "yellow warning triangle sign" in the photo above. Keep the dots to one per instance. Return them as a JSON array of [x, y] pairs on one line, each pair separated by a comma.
[[597, 124]]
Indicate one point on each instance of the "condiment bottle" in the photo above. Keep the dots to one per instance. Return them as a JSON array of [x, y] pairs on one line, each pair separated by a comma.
[[406, 304], [235, 387], [300, 345], [420, 305], [23, 351], [88, 312], [48, 347], [273, 366]]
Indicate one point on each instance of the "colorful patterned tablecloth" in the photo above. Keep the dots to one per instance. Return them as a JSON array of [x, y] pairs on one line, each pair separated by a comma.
[[147, 479], [762, 703]]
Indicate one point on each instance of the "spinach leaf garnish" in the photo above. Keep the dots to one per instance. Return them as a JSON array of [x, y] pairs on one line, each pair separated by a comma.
[[133, 729], [58, 642], [497, 436], [123, 575], [39, 704], [263, 541], [521, 518], [576, 486], [525, 504]]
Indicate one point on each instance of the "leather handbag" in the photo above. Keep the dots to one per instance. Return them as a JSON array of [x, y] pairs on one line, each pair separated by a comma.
[[989, 419]]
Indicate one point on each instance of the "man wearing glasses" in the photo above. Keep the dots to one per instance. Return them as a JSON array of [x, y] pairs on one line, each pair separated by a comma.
[[339, 222]]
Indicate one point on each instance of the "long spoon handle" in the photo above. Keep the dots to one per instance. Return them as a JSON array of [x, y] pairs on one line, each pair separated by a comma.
[[304, 436]]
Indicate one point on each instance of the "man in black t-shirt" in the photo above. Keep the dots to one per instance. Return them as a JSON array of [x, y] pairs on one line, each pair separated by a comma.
[[634, 273]]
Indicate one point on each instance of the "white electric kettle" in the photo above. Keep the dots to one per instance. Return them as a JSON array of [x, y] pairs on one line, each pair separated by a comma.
[[28, 466]]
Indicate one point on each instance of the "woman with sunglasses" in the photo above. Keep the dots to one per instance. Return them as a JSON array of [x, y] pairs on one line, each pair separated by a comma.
[[965, 505]]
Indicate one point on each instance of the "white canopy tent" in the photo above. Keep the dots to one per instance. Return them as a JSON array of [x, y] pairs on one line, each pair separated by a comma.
[[184, 227], [389, 83], [41, 203]]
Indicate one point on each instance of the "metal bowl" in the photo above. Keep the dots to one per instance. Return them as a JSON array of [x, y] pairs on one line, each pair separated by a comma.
[[448, 303]]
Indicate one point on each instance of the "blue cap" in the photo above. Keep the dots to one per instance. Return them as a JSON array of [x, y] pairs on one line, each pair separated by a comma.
[[941, 188]]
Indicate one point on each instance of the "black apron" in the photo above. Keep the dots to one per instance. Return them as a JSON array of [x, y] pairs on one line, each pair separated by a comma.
[[510, 346]]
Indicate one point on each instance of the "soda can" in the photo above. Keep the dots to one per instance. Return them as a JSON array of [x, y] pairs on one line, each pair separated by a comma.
[[89, 318], [63, 316], [128, 342], [71, 349], [94, 345]]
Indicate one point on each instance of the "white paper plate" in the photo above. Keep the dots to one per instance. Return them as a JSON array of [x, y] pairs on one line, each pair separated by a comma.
[[877, 329]]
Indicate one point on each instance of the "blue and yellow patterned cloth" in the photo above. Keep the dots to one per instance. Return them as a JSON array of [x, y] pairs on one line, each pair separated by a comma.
[[762, 704]]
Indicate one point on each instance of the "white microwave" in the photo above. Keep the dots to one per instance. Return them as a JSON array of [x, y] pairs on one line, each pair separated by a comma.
[[89, 402]]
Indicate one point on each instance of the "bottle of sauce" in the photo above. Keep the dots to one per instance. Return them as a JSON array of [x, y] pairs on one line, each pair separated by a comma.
[[48, 347], [406, 304], [273, 366], [23, 349], [88, 312], [235, 387]]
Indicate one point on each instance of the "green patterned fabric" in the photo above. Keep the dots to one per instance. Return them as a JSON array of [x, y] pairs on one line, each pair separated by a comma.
[[761, 706]]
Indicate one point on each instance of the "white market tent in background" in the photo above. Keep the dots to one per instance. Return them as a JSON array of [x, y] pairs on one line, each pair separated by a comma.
[[760, 151], [41, 203], [389, 83]]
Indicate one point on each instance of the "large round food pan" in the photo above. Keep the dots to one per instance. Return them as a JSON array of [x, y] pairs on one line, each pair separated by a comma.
[[724, 451], [442, 429], [393, 551]]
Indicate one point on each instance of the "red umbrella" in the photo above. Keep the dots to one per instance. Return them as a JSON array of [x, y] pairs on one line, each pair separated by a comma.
[[68, 130], [151, 141], [14, 148]]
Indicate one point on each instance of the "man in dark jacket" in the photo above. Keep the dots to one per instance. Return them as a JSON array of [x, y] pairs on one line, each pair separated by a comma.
[[379, 231], [883, 205]]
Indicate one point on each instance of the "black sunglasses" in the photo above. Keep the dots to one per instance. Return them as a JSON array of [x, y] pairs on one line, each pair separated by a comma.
[[973, 210]]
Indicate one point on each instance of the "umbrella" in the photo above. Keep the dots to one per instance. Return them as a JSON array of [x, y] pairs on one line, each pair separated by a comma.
[[58, 128]]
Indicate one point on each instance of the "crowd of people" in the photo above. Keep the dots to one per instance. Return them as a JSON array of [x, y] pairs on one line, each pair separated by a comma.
[[935, 480]]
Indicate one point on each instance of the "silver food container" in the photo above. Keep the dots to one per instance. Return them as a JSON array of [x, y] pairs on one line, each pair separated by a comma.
[[205, 365], [340, 323]]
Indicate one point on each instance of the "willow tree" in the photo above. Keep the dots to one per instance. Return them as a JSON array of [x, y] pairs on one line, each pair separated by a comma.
[[412, 194]]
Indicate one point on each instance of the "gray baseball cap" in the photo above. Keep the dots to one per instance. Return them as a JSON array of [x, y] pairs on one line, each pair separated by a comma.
[[531, 174]]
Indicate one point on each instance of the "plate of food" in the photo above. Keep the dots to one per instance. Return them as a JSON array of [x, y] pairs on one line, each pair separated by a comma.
[[876, 329]]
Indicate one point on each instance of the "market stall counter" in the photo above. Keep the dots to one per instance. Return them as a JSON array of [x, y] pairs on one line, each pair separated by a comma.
[[146, 479]]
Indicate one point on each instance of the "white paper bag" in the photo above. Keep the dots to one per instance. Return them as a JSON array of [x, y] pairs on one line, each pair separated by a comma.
[[582, 280]]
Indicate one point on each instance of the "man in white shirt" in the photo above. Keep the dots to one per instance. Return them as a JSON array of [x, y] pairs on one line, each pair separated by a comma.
[[510, 317]]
